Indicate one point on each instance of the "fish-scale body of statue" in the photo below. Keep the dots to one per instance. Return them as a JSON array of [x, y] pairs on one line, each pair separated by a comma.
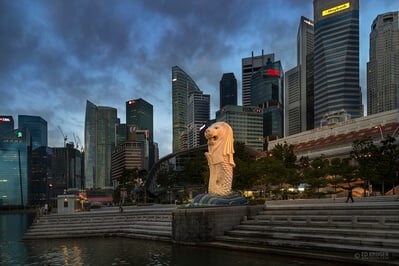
[[220, 158]]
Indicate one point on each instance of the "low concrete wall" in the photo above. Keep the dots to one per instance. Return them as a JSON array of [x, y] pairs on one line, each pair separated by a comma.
[[205, 223]]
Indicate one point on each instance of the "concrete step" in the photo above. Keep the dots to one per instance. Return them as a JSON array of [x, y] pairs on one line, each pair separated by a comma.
[[345, 254], [146, 224], [325, 220], [317, 238], [341, 248], [345, 232]]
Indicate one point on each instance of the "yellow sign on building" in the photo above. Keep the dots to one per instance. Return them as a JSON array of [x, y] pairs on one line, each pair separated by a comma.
[[335, 9]]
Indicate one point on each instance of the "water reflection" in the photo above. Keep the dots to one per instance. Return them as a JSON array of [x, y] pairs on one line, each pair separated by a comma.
[[119, 251]]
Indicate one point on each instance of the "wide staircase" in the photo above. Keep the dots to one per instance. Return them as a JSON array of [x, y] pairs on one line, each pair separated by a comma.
[[153, 224], [364, 232]]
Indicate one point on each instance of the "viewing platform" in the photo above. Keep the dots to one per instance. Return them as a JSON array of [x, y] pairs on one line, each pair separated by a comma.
[[365, 232]]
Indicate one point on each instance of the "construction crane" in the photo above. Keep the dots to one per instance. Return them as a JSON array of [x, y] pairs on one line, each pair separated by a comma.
[[63, 135]]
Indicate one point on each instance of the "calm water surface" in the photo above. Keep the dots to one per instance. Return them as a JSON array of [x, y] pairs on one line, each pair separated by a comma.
[[118, 251]]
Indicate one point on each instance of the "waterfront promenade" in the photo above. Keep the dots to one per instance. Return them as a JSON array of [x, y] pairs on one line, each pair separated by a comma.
[[363, 232]]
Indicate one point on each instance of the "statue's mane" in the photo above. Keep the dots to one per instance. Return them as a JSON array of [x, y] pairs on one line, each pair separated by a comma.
[[224, 145]]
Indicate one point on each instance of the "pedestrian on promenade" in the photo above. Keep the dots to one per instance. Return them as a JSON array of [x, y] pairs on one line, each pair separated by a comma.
[[350, 197]]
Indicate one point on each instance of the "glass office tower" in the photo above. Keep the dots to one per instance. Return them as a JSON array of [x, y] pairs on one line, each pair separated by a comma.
[[100, 128], [198, 114], [383, 67], [249, 66], [267, 94], [140, 115], [182, 87], [6, 124], [37, 127], [15, 150], [336, 59], [299, 114], [228, 90]]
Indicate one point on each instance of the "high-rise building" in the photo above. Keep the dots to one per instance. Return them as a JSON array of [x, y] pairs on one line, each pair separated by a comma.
[[383, 67], [6, 124], [267, 93], [15, 150], [336, 59], [37, 181], [37, 127], [249, 66], [198, 113], [246, 122], [228, 90], [67, 168], [140, 113], [100, 127], [299, 115], [182, 87]]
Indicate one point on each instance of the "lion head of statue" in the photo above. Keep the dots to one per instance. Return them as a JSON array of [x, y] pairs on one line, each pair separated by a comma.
[[220, 142]]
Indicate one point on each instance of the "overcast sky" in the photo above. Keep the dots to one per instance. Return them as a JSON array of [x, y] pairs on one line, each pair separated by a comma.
[[56, 54]]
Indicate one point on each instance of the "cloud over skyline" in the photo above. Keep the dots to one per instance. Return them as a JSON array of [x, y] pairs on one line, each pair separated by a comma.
[[55, 55]]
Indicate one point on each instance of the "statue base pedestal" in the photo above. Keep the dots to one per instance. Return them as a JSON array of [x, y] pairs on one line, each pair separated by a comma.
[[204, 200], [206, 223]]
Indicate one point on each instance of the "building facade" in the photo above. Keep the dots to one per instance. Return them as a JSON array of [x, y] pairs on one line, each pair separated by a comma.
[[246, 122], [140, 114], [6, 124], [182, 87], [249, 66], [198, 113], [383, 67], [267, 93], [37, 127], [228, 90], [336, 58], [100, 128], [299, 89], [15, 168]]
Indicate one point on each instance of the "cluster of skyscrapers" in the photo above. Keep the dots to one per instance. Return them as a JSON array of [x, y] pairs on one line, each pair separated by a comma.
[[32, 173], [323, 89]]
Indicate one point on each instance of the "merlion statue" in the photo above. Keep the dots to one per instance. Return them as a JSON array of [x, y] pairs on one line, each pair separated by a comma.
[[221, 163], [220, 158]]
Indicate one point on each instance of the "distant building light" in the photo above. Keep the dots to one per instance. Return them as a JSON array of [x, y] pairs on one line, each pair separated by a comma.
[[132, 102], [174, 79], [5, 119]]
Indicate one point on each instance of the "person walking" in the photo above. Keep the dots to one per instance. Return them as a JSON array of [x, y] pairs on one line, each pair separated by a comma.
[[350, 196]]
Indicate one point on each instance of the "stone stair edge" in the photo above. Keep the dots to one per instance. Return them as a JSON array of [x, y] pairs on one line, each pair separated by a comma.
[[375, 241], [316, 246], [345, 231]]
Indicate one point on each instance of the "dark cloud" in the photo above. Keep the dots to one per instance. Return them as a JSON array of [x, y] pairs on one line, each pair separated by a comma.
[[55, 55]]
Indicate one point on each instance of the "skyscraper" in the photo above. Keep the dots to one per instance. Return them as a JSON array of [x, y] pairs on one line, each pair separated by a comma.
[[182, 87], [228, 90], [37, 127], [140, 113], [383, 67], [198, 113], [298, 83], [100, 127], [15, 167], [140, 119], [336, 59], [249, 66], [267, 94], [6, 124]]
